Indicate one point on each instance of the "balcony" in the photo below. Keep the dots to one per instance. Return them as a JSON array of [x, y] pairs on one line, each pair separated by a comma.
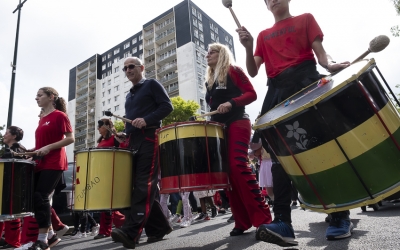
[[166, 67], [81, 115], [167, 59], [91, 83], [168, 78], [172, 89], [92, 101], [80, 143], [150, 53], [92, 74], [93, 66], [164, 35], [91, 121], [150, 65], [82, 97], [82, 79], [81, 89], [165, 47], [90, 140], [79, 134], [81, 106], [166, 24], [91, 130], [150, 73], [80, 124], [82, 67], [92, 92], [149, 33]]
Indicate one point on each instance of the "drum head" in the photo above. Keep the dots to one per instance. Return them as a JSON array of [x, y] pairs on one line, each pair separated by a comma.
[[312, 95]]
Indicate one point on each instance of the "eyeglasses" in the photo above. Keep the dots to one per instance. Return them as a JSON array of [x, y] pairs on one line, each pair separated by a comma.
[[209, 53], [130, 66]]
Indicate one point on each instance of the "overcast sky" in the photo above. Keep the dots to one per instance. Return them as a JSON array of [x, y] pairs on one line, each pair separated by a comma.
[[57, 35]]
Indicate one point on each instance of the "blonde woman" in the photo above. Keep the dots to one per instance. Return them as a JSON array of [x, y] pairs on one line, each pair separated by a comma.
[[229, 91]]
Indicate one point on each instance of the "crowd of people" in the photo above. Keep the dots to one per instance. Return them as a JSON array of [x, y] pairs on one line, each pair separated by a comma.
[[286, 49]]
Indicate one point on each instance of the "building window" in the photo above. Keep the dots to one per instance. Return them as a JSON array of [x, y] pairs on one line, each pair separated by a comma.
[[103, 67], [194, 11], [109, 73], [140, 37], [134, 50], [104, 104], [134, 40], [109, 55], [104, 75], [116, 51], [116, 88], [116, 69], [109, 91], [116, 108], [126, 45], [212, 36], [226, 38], [103, 93], [141, 56], [199, 16], [202, 107], [104, 58], [103, 84], [200, 26], [230, 41], [216, 39], [109, 101], [126, 93], [201, 37], [211, 26], [216, 29], [109, 64], [116, 98], [140, 46], [126, 54], [196, 33], [202, 46], [109, 82], [116, 60], [194, 22], [116, 79]]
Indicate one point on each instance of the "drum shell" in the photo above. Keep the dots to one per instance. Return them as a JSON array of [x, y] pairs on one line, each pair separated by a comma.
[[342, 152], [16, 190], [192, 157], [103, 179]]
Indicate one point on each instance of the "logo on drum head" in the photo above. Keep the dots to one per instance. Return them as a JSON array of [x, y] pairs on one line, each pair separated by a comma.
[[299, 134]]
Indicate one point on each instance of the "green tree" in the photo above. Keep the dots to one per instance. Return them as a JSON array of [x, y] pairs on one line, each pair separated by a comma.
[[396, 29], [398, 98], [1, 140], [183, 110], [119, 125]]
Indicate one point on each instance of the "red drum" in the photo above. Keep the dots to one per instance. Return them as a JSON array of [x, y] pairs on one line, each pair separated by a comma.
[[192, 157], [16, 189]]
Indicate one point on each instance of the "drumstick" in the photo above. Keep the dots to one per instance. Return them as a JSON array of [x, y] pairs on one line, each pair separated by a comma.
[[101, 124], [108, 113], [22, 154], [193, 118], [228, 4], [377, 44]]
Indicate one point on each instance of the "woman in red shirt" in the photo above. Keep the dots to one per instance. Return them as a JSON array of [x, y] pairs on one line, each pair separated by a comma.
[[54, 132]]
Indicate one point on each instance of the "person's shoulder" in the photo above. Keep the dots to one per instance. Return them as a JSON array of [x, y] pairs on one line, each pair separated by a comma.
[[305, 16]]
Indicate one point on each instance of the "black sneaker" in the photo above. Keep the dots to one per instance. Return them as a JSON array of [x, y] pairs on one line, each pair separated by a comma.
[[120, 236], [214, 212], [39, 245], [2, 242], [202, 216], [231, 219], [74, 232], [53, 241]]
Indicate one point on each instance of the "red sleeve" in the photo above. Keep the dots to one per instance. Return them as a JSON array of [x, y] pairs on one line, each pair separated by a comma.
[[65, 124], [243, 83], [259, 47], [314, 30]]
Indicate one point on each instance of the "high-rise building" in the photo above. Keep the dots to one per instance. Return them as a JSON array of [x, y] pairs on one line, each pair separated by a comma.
[[172, 47]]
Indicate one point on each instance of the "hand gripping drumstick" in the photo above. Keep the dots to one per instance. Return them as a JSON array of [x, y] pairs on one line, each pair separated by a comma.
[[228, 4], [108, 113], [193, 118], [377, 44], [101, 124]]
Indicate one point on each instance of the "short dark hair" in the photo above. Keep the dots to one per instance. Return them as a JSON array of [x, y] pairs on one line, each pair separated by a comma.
[[18, 132]]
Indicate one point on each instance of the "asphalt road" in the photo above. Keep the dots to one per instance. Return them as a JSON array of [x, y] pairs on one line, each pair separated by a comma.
[[372, 230]]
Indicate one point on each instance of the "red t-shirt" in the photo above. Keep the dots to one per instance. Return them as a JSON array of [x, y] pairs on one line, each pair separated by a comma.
[[51, 129], [107, 143], [288, 43]]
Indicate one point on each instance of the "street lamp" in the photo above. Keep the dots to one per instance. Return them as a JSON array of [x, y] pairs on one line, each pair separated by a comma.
[[14, 66]]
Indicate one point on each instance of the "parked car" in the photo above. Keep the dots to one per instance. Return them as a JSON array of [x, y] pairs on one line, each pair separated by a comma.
[[62, 202]]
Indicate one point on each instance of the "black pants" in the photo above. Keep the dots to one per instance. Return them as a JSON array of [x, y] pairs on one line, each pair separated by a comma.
[[83, 218], [145, 210], [45, 183]]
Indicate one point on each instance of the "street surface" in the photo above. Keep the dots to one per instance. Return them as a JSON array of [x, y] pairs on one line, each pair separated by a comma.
[[372, 230]]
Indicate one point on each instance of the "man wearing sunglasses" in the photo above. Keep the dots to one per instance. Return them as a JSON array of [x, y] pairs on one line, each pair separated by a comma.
[[146, 104]]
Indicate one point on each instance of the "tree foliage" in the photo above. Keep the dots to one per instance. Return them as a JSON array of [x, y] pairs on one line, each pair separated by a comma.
[[119, 125], [398, 98], [183, 110], [1, 140], [396, 29]]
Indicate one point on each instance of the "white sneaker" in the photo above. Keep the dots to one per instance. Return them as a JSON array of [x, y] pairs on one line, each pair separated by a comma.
[[95, 230], [25, 246], [186, 222], [78, 235], [173, 219], [61, 232]]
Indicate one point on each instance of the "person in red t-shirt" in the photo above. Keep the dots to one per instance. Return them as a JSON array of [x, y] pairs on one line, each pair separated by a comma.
[[287, 50], [54, 132]]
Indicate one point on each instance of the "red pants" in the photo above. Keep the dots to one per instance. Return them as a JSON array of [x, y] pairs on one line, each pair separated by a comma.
[[107, 219], [247, 204], [12, 232], [30, 230], [55, 221]]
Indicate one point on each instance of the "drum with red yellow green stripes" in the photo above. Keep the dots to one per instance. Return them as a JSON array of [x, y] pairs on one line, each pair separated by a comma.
[[338, 140]]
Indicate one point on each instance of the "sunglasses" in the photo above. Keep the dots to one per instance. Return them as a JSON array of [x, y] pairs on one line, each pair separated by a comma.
[[130, 66]]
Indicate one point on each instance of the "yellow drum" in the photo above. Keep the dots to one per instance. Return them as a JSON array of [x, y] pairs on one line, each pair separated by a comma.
[[103, 179]]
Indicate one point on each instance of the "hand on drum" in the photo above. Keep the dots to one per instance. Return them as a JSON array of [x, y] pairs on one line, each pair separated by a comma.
[[224, 107], [333, 67], [139, 123], [245, 38]]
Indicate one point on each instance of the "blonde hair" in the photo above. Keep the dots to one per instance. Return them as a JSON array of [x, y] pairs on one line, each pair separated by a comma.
[[225, 60]]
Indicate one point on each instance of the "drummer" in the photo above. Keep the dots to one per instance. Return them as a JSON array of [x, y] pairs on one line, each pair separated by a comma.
[[287, 51], [229, 91], [12, 228]]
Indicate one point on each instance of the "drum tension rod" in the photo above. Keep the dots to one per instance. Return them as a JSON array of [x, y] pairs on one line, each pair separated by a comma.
[[345, 155]]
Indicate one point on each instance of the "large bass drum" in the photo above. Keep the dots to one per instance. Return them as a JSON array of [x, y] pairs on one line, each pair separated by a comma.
[[16, 189], [338, 141]]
